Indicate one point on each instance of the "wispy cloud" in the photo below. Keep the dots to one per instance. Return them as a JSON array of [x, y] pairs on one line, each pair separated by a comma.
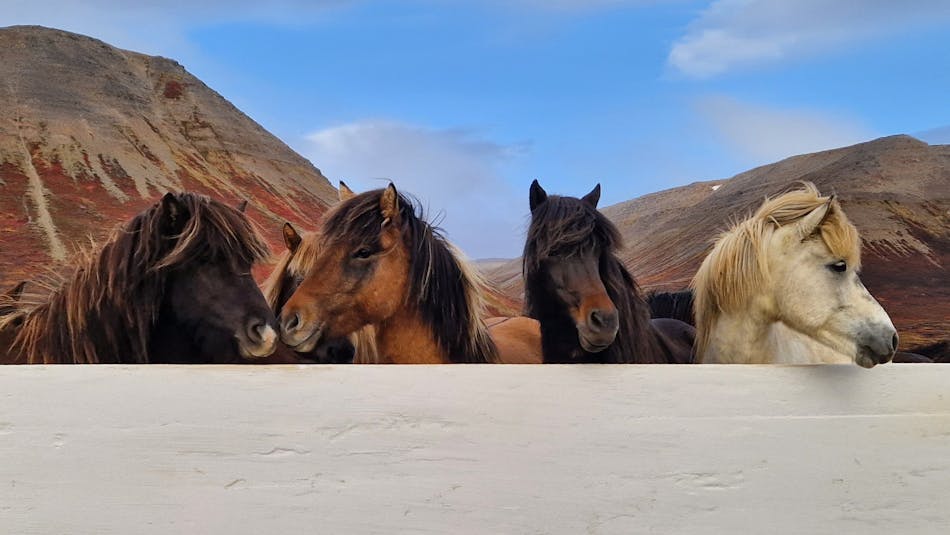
[[733, 34], [763, 134], [454, 172]]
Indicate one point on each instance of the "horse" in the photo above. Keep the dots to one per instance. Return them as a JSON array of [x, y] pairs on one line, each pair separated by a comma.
[[359, 347], [675, 305], [9, 304], [381, 263], [782, 286], [588, 304], [173, 285]]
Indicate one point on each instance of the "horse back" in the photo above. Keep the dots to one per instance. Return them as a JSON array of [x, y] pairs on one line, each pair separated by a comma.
[[676, 339]]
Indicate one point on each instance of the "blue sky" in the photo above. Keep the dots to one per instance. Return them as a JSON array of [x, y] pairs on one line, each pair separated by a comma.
[[463, 103]]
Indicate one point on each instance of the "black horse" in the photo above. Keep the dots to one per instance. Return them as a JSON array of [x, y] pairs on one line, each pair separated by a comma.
[[173, 285], [588, 304]]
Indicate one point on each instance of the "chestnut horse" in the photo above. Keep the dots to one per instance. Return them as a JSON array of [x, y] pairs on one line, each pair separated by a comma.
[[380, 263], [782, 286], [589, 305], [173, 285], [359, 347]]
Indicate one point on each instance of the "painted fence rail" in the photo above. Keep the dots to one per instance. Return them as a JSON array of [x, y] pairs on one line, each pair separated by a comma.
[[474, 449]]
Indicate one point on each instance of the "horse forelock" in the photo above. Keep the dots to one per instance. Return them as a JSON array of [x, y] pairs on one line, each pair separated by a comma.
[[444, 289], [113, 297], [567, 226], [213, 230], [736, 269]]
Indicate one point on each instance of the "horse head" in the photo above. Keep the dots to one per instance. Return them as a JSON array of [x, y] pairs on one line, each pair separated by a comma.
[[564, 254]]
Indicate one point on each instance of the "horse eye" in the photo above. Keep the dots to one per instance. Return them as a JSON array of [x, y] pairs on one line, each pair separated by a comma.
[[839, 267], [362, 252]]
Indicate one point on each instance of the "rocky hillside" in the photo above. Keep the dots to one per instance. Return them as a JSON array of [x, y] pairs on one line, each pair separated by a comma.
[[896, 190], [91, 134]]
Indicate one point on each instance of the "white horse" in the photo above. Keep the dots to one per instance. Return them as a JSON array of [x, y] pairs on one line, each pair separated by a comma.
[[783, 287]]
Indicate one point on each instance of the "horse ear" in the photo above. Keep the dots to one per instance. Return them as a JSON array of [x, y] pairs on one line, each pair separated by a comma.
[[171, 213], [345, 192], [15, 292], [810, 223], [291, 238], [593, 197], [536, 195], [242, 206], [389, 204]]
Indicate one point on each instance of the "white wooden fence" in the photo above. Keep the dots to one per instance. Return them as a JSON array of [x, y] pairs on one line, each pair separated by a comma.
[[474, 449]]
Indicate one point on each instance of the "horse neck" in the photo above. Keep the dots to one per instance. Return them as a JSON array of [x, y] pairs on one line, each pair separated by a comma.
[[404, 338], [750, 338], [636, 342]]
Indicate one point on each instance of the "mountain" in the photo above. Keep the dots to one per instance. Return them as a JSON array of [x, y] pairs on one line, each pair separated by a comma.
[[895, 189], [91, 134]]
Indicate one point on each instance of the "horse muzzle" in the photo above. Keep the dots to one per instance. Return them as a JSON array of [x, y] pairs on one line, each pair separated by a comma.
[[876, 348], [300, 336], [259, 340], [598, 331]]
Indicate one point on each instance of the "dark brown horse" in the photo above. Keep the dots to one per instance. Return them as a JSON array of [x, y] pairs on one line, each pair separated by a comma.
[[173, 285], [589, 305], [380, 263]]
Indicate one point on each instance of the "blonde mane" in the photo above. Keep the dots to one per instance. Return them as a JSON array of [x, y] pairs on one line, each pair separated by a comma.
[[298, 264], [737, 267]]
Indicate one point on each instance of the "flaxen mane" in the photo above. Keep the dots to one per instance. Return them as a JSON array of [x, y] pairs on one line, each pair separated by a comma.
[[105, 311], [443, 288], [563, 227], [295, 265], [737, 266]]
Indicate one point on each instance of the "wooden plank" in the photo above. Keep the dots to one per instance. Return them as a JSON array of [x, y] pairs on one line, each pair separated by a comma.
[[474, 449]]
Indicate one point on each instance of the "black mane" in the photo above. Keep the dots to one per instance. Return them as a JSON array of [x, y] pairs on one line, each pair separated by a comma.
[[439, 286], [565, 226], [105, 312]]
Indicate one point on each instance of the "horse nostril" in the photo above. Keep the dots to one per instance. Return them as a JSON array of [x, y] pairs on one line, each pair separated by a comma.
[[894, 341], [596, 318], [255, 330], [290, 323], [602, 320]]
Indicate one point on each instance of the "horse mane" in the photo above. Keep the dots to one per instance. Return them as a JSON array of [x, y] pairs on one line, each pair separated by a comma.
[[299, 263], [444, 288], [105, 310], [737, 267], [564, 227]]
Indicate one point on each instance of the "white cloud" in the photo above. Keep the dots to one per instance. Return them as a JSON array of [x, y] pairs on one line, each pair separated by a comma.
[[734, 34], [763, 134], [452, 171]]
